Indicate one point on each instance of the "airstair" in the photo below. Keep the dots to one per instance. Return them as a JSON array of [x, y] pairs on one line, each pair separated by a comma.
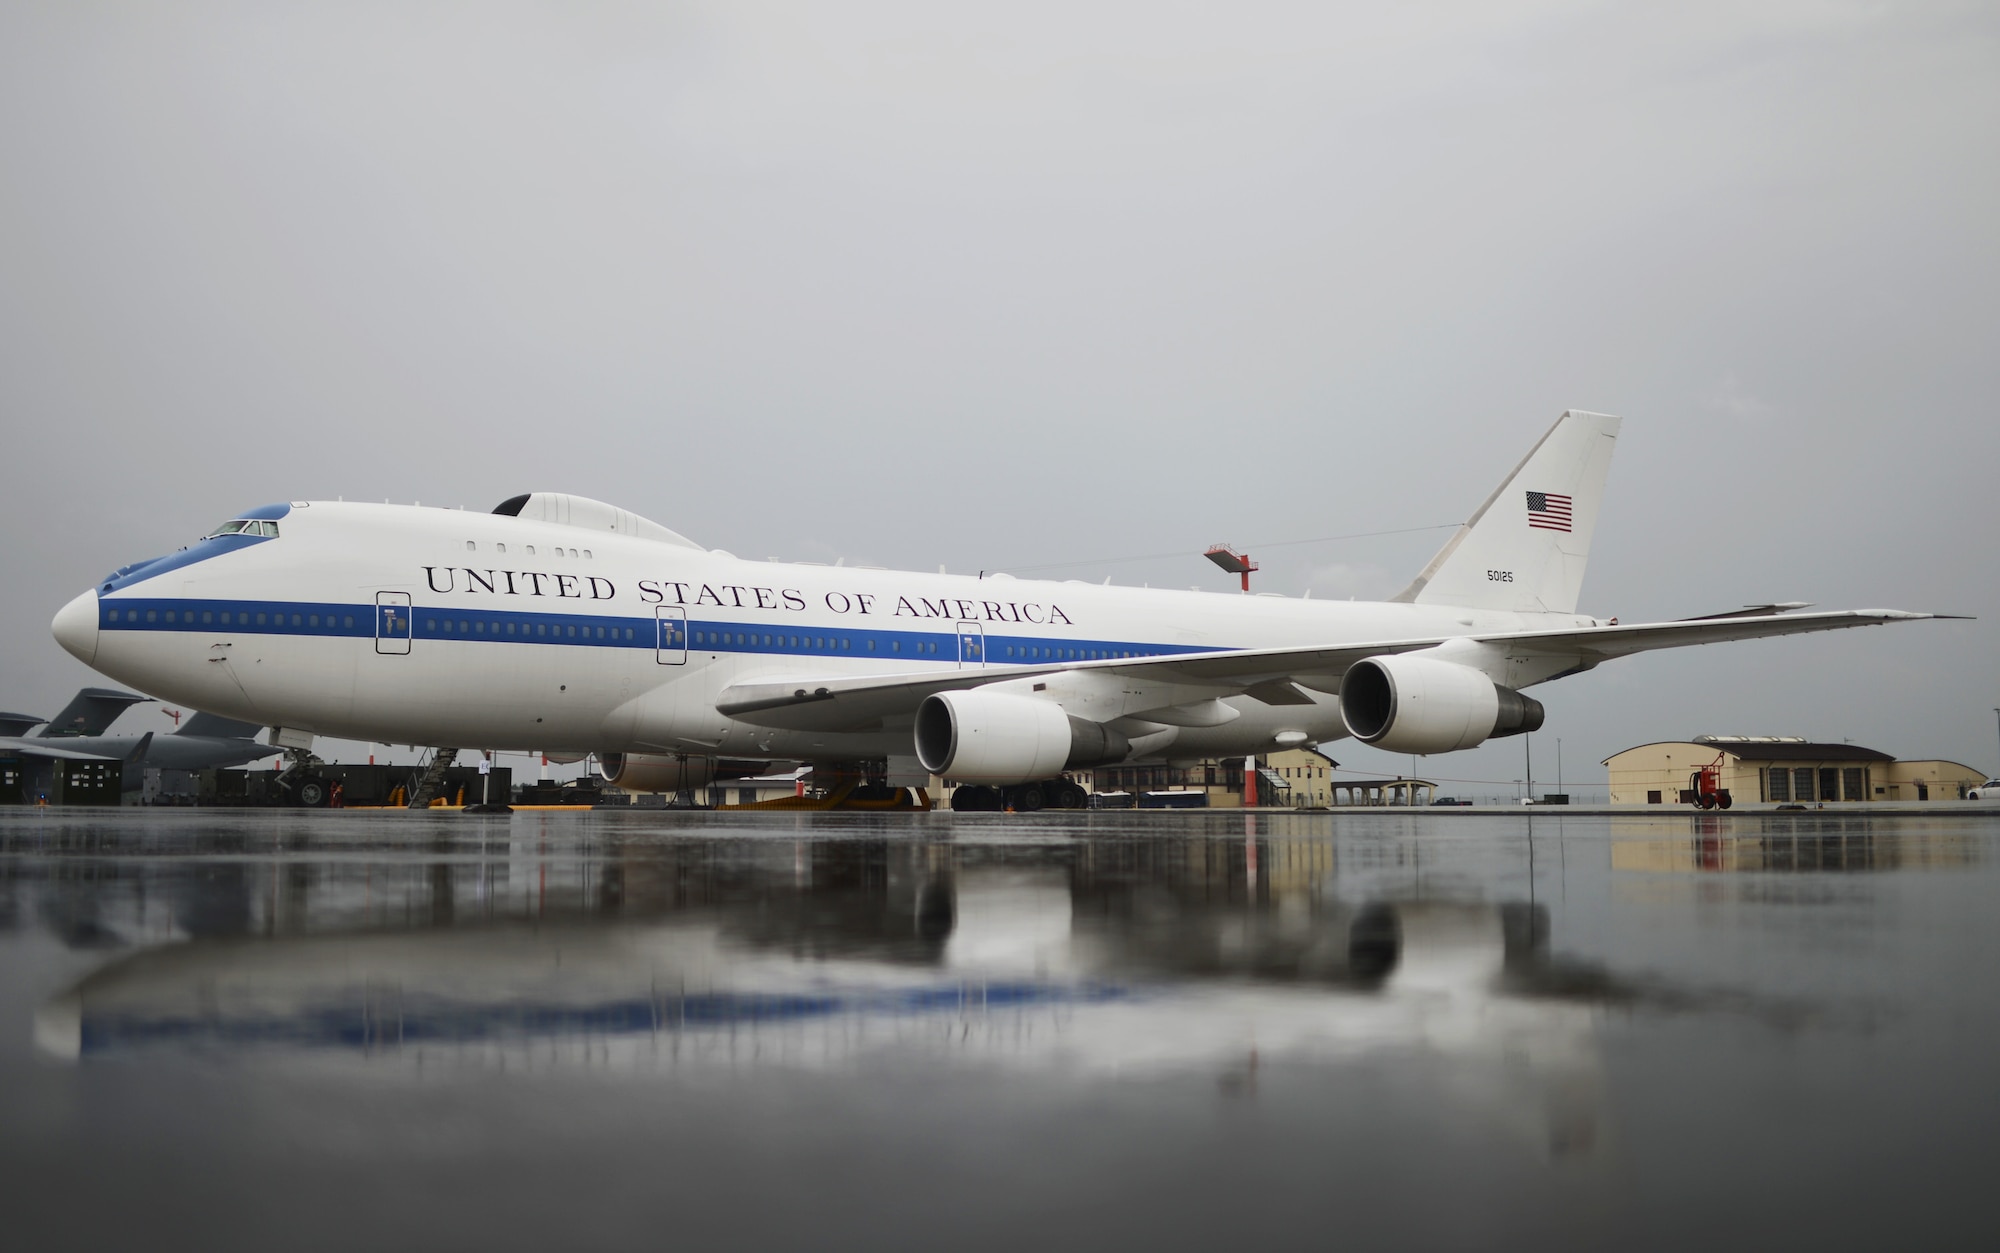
[[432, 779]]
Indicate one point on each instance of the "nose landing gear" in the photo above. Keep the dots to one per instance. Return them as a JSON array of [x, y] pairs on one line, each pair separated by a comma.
[[299, 783]]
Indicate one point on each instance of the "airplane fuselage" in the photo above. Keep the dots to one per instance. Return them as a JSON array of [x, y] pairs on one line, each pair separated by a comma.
[[431, 626]]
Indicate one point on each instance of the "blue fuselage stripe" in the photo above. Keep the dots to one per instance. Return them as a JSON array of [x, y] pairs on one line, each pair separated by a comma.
[[350, 621]]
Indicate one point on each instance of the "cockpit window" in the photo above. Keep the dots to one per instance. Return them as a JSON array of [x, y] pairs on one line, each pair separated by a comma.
[[244, 526]]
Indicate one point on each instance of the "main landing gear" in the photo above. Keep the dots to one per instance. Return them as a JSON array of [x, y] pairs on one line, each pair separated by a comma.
[[298, 783], [1021, 798]]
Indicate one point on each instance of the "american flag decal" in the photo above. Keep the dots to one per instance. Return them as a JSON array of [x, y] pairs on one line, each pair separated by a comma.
[[1548, 511]]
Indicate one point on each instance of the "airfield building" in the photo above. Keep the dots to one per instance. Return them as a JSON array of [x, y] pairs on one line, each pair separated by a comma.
[[1781, 769]]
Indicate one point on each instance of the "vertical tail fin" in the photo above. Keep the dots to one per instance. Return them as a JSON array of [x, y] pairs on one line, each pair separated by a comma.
[[92, 711], [1525, 549]]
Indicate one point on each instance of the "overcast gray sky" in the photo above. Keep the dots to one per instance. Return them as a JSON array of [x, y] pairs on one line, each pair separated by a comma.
[[994, 286]]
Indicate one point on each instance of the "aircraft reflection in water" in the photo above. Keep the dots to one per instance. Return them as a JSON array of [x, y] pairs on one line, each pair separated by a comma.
[[1127, 958]]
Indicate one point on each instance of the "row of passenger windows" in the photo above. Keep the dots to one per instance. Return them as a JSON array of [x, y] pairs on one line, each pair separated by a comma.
[[539, 630], [569, 631], [1039, 653], [211, 617], [746, 639], [472, 546]]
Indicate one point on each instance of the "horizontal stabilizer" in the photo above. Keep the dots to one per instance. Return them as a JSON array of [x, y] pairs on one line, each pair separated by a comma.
[[218, 727]]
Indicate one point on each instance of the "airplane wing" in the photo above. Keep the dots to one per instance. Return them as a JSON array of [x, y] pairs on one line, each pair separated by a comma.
[[17, 747], [862, 702], [1752, 611]]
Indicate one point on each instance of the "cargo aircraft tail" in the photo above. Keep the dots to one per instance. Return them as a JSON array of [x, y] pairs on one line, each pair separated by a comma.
[[92, 712]]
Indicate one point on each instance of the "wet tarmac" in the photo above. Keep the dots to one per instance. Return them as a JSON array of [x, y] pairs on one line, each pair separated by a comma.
[[1166, 1031]]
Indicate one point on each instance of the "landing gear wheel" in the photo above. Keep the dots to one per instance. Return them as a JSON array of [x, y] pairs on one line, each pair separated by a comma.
[[974, 798], [311, 793], [1027, 798], [1066, 795]]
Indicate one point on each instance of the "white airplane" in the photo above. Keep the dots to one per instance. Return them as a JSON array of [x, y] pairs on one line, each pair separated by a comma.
[[568, 626]]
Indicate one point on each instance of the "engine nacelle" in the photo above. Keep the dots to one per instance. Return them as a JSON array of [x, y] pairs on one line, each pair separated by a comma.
[[1423, 705], [995, 737], [649, 772]]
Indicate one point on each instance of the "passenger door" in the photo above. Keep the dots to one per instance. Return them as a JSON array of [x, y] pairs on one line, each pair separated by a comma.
[[392, 623], [971, 645], [671, 624]]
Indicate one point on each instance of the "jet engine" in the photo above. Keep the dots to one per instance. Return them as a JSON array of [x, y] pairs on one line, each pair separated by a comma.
[[994, 737], [649, 772], [1423, 705]]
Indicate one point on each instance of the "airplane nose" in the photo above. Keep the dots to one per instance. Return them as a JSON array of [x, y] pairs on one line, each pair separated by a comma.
[[75, 627]]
